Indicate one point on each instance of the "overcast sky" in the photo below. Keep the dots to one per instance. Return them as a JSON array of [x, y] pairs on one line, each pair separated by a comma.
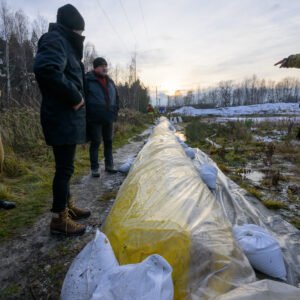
[[182, 44]]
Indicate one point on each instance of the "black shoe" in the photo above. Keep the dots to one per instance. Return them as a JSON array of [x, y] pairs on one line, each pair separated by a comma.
[[110, 169], [7, 204], [95, 173]]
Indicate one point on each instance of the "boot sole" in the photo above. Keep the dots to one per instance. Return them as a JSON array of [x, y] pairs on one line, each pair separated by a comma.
[[56, 232]]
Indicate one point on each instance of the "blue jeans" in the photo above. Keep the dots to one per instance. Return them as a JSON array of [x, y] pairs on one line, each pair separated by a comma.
[[96, 133]]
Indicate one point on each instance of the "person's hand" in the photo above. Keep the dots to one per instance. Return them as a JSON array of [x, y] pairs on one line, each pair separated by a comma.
[[282, 63], [76, 107]]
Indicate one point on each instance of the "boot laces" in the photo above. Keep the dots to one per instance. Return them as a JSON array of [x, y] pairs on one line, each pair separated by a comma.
[[68, 220]]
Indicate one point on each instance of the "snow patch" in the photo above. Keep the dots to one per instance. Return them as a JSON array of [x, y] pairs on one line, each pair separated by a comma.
[[266, 108]]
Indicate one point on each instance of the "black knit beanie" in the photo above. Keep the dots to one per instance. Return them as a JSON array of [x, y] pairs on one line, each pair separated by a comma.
[[70, 17], [99, 61]]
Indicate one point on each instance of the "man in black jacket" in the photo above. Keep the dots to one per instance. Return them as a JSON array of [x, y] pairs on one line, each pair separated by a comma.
[[102, 104], [60, 75]]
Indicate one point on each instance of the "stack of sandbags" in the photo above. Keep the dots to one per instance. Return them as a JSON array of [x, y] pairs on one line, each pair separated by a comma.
[[96, 274], [163, 207]]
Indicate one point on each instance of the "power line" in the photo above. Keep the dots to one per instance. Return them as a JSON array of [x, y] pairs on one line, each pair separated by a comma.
[[111, 24], [129, 23], [144, 22]]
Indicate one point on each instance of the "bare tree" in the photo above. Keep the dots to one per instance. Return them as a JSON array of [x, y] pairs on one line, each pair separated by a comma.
[[39, 27], [89, 54], [6, 22], [225, 89], [21, 32]]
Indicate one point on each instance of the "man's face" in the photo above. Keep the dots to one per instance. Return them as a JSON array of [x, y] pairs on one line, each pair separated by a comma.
[[101, 70]]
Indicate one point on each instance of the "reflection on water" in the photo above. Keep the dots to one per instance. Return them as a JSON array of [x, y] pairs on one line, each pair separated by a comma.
[[253, 175]]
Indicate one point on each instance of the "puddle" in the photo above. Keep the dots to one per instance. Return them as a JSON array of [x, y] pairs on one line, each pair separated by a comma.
[[255, 176]]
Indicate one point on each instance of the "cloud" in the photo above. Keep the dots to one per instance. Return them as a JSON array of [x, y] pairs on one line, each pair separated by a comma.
[[189, 42]]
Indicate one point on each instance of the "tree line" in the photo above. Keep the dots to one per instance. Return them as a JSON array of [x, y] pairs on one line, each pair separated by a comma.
[[18, 45], [250, 91]]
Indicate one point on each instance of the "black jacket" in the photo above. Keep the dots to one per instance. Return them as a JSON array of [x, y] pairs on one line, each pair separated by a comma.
[[97, 107], [60, 75]]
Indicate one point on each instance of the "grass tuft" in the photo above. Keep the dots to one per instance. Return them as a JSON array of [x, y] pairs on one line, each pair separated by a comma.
[[274, 204]]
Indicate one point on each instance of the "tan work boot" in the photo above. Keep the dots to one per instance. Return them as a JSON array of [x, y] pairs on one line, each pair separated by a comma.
[[77, 213], [65, 225]]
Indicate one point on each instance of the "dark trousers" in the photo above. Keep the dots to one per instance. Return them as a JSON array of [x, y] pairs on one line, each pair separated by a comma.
[[64, 168], [96, 133]]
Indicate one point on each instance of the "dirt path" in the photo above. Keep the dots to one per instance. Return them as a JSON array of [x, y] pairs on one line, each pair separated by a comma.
[[34, 264]]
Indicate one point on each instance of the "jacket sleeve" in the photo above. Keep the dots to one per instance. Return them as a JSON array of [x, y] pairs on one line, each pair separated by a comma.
[[293, 61], [49, 66]]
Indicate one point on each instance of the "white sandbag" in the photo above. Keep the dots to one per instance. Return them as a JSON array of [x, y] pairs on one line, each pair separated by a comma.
[[86, 271], [262, 250], [184, 145], [95, 274], [209, 175], [124, 168], [148, 280], [172, 128], [190, 152], [263, 290]]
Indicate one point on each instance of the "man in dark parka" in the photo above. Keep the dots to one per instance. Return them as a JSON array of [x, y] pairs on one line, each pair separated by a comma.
[[102, 103], [60, 75]]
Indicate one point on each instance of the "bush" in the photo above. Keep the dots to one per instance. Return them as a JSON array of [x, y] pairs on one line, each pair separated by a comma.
[[21, 130]]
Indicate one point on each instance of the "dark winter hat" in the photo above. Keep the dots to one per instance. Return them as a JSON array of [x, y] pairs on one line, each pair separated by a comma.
[[99, 61], [70, 17]]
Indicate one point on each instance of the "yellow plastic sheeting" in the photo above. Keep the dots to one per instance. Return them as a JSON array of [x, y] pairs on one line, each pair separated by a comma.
[[163, 207]]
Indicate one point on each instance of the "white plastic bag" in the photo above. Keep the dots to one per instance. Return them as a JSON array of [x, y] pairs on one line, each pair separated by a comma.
[[91, 264], [95, 274], [148, 280], [189, 152], [209, 175], [262, 250], [124, 168]]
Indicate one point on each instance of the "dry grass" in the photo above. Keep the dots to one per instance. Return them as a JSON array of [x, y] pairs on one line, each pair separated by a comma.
[[4, 192], [28, 166], [1, 154], [274, 204]]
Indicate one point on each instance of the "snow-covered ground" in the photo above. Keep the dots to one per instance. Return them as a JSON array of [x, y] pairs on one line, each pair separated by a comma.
[[267, 108], [286, 117]]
